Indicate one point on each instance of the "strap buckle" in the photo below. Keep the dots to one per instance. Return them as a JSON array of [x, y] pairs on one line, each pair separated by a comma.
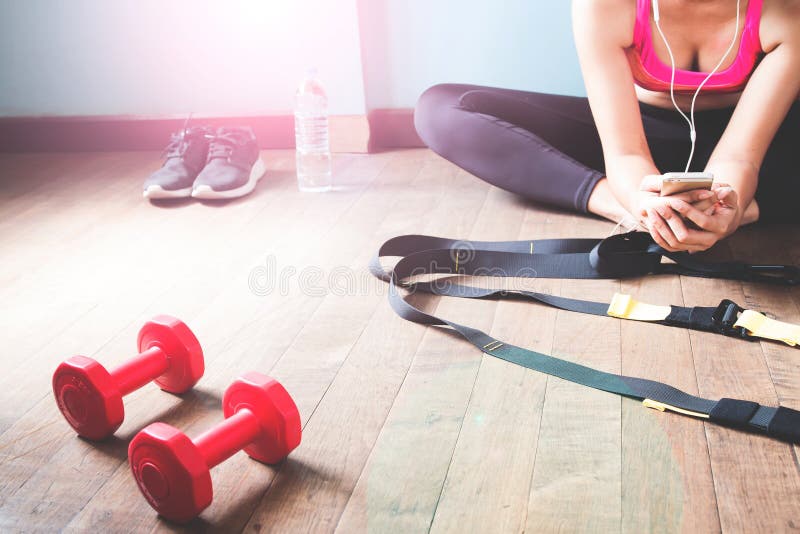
[[785, 274], [724, 318]]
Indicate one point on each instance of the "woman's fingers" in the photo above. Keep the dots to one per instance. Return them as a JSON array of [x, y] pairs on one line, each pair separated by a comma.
[[699, 240], [659, 231], [716, 220], [667, 218], [675, 223], [664, 235], [703, 205], [660, 241], [701, 218], [727, 196], [670, 232], [695, 195]]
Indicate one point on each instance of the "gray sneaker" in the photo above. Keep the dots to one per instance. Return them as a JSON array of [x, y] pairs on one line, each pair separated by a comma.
[[233, 168], [186, 157]]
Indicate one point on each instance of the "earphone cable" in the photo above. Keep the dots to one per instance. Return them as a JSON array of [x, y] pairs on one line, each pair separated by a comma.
[[710, 74], [690, 122], [656, 18]]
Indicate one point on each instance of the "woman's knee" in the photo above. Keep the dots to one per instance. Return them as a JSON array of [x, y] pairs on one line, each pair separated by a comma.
[[433, 114]]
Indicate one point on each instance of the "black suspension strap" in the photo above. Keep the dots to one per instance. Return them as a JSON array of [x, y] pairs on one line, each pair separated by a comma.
[[621, 256]]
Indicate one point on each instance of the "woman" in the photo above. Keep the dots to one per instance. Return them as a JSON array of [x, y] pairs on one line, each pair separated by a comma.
[[602, 154]]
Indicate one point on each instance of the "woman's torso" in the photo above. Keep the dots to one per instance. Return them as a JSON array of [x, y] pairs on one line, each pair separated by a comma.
[[699, 33]]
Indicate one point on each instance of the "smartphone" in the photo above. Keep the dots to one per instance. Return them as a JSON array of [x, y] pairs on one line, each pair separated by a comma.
[[680, 182]]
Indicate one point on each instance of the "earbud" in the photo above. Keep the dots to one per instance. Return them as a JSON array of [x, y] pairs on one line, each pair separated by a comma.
[[655, 11]]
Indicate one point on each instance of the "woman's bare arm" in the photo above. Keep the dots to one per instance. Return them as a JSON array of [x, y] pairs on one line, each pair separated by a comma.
[[737, 158], [601, 36], [769, 94]]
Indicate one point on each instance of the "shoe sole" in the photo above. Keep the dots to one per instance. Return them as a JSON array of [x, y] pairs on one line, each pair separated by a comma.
[[156, 192], [256, 173]]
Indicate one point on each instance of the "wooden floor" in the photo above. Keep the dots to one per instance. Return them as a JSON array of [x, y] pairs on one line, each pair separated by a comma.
[[405, 429]]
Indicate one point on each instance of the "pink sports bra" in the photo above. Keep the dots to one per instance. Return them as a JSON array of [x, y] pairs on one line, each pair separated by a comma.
[[651, 73]]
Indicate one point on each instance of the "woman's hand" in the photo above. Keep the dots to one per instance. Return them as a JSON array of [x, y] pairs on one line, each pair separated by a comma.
[[667, 222], [648, 198]]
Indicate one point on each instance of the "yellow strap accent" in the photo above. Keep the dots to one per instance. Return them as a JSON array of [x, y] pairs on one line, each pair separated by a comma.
[[660, 406], [759, 325], [624, 307], [493, 345]]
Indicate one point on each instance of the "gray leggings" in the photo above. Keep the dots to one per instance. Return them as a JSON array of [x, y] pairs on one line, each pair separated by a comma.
[[546, 147]]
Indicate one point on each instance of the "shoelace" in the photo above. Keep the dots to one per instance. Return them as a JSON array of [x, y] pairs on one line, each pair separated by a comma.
[[177, 144], [180, 142], [223, 145]]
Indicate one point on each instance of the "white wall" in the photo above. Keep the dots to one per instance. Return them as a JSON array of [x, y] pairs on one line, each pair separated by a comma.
[[170, 57], [413, 44]]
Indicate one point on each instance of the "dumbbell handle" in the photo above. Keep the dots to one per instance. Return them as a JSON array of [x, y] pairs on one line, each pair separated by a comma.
[[222, 441], [138, 371]]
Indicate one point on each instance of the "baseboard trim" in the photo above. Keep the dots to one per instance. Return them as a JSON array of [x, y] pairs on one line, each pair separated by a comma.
[[380, 129], [392, 128], [349, 133]]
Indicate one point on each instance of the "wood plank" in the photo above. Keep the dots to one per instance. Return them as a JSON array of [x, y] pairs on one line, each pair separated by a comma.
[[666, 470], [399, 488], [406, 428], [746, 468], [488, 479], [781, 245], [575, 484], [308, 325], [313, 487], [31, 233], [779, 302], [45, 411], [114, 254], [193, 297], [23, 174]]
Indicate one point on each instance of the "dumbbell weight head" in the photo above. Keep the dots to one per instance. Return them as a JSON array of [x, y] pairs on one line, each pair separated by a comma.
[[276, 410], [90, 397], [172, 471], [186, 364]]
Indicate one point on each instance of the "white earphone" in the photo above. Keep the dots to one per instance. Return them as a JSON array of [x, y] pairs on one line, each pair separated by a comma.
[[692, 131]]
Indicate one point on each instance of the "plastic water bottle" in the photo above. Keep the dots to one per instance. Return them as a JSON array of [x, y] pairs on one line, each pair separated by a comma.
[[313, 151]]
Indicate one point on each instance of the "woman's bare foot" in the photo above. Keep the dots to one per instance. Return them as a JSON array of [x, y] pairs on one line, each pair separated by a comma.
[[751, 213], [603, 203]]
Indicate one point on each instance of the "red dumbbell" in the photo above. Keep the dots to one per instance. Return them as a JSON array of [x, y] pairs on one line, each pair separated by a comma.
[[91, 398], [173, 471]]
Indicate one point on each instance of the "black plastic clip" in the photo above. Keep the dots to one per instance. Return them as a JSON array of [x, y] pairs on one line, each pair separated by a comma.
[[782, 274], [724, 318], [785, 425]]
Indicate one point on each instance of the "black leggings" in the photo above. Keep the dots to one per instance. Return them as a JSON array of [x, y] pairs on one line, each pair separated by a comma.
[[546, 147]]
